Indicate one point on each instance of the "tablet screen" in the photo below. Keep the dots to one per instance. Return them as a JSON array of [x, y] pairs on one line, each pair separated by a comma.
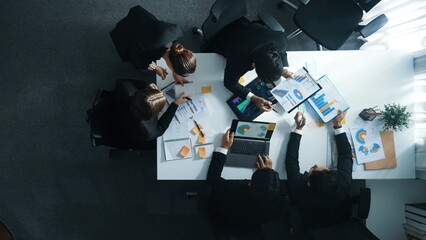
[[246, 109]]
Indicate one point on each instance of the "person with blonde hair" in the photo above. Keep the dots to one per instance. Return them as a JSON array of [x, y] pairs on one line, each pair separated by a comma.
[[139, 105]]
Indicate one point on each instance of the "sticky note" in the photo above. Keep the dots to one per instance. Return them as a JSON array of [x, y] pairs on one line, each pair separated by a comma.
[[343, 120], [201, 139], [195, 130], [320, 123], [241, 80], [270, 126], [184, 151], [202, 152], [206, 89]]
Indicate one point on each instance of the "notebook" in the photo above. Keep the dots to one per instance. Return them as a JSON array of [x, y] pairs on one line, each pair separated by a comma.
[[250, 139]]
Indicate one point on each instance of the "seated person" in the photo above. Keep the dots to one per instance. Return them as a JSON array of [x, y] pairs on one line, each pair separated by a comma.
[[248, 45], [241, 205], [142, 39], [320, 187], [139, 104]]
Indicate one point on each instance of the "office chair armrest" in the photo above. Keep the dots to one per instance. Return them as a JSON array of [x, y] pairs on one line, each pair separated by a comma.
[[364, 203], [270, 21], [304, 2], [218, 8], [373, 26]]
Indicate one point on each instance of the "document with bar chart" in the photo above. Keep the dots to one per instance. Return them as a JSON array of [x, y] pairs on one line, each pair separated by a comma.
[[328, 100], [291, 92]]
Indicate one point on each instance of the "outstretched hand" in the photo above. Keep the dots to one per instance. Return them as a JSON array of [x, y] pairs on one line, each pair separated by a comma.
[[337, 121]]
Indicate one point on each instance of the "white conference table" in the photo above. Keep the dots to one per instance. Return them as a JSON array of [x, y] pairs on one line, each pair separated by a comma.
[[364, 78]]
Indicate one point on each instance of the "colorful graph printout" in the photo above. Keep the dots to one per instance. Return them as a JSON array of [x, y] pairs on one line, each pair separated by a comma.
[[254, 130], [328, 101], [294, 91], [367, 144]]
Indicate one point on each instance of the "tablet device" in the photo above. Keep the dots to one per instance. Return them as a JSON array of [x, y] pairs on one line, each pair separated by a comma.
[[247, 110]]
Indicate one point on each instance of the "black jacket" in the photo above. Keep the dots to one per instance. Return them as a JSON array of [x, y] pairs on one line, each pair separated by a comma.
[[141, 38], [299, 191], [136, 132], [231, 203], [237, 42]]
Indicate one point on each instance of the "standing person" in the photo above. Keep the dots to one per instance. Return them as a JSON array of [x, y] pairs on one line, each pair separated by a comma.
[[139, 104], [320, 187], [244, 205], [246, 46], [142, 39]]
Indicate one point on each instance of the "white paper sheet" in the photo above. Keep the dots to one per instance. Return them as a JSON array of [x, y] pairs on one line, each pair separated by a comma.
[[367, 144]]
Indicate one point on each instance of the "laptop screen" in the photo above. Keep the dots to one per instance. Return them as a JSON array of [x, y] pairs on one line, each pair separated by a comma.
[[253, 130]]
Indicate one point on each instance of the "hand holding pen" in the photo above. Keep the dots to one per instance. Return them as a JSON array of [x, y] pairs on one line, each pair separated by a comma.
[[182, 99], [300, 120]]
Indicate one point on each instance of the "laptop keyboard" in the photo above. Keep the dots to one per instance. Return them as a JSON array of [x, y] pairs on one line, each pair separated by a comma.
[[247, 147]]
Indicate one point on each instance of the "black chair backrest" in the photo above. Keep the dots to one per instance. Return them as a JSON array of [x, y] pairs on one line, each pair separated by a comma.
[[104, 120], [222, 13]]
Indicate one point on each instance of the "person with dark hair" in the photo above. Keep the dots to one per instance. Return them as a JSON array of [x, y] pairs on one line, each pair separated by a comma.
[[241, 205], [247, 45], [320, 187], [142, 39], [139, 104]]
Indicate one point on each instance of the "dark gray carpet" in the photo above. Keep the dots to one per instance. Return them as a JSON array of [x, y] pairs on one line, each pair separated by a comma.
[[54, 56]]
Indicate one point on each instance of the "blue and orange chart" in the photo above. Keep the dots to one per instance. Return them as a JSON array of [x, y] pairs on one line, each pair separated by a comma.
[[293, 91], [368, 144], [255, 130], [328, 100]]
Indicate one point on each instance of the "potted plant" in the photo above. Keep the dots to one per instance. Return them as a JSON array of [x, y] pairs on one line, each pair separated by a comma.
[[395, 117]]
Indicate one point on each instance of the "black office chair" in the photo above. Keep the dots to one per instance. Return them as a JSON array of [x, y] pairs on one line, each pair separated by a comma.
[[330, 22], [221, 232], [104, 122], [341, 220], [224, 12]]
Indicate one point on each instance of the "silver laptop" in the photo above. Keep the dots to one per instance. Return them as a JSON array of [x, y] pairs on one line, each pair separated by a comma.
[[250, 139]]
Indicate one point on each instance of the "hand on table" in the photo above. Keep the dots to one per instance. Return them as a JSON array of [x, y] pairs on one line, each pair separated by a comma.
[[287, 74], [179, 79], [337, 121], [161, 72], [181, 99], [300, 120], [262, 103], [228, 139], [263, 161]]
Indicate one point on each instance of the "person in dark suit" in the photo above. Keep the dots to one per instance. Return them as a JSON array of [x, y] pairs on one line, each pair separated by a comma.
[[320, 187], [139, 104], [247, 45], [142, 39], [244, 205]]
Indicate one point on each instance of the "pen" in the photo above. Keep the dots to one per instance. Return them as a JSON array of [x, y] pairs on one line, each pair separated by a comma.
[[269, 107], [301, 119], [198, 127], [188, 98]]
